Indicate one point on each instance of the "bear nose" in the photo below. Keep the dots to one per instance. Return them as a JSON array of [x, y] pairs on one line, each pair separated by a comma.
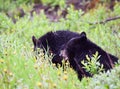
[[63, 54]]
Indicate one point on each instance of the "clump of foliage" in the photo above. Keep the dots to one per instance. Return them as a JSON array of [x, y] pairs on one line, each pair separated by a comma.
[[109, 80], [92, 64], [11, 4], [61, 3]]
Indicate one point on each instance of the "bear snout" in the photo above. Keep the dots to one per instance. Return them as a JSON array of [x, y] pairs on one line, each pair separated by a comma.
[[63, 54]]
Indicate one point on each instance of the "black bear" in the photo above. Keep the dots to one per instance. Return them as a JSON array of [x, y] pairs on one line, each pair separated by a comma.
[[76, 50], [55, 41]]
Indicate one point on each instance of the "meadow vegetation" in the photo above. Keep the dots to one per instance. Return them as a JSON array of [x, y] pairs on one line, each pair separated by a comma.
[[19, 68]]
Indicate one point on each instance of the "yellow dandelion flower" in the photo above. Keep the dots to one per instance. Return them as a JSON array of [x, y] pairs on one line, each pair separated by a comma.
[[24, 47], [59, 73], [54, 85], [32, 47], [11, 74], [2, 61], [39, 84], [65, 72], [35, 66], [14, 52], [65, 77], [54, 65], [67, 63], [5, 70], [6, 53], [25, 88]]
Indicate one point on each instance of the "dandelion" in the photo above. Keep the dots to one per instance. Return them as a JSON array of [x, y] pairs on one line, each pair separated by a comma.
[[14, 52], [54, 85], [59, 73], [65, 77], [54, 65], [65, 72], [11, 74], [35, 66], [32, 48], [67, 64], [5, 70], [24, 47], [39, 84], [6, 53], [25, 88], [1, 61]]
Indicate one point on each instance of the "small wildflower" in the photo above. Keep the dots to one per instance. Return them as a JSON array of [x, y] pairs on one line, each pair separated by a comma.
[[65, 72], [1, 61], [25, 88], [59, 73], [24, 47], [35, 66], [32, 48], [39, 84], [67, 63], [6, 53], [14, 52], [54, 65], [51, 54], [5, 70], [11, 74], [41, 55], [70, 69], [65, 77], [54, 85]]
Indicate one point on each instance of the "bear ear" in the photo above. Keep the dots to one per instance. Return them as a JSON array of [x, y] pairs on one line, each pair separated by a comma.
[[50, 35], [83, 36], [34, 40]]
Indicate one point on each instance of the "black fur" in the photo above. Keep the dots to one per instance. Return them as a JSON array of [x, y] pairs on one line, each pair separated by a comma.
[[76, 50], [55, 41]]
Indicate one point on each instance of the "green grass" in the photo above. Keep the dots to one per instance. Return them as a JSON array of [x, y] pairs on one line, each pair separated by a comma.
[[20, 70]]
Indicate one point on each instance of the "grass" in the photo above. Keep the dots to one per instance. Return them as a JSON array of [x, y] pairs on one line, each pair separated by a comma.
[[20, 70]]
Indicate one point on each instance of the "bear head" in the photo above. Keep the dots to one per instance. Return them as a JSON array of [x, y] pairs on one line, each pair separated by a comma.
[[75, 46], [43, 42]]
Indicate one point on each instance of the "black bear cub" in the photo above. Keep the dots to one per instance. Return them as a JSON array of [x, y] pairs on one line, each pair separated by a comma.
[[54, 41], [76, 50]]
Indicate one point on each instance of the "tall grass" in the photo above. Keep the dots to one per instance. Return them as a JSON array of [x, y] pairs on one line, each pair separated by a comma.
[[19, 68]]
